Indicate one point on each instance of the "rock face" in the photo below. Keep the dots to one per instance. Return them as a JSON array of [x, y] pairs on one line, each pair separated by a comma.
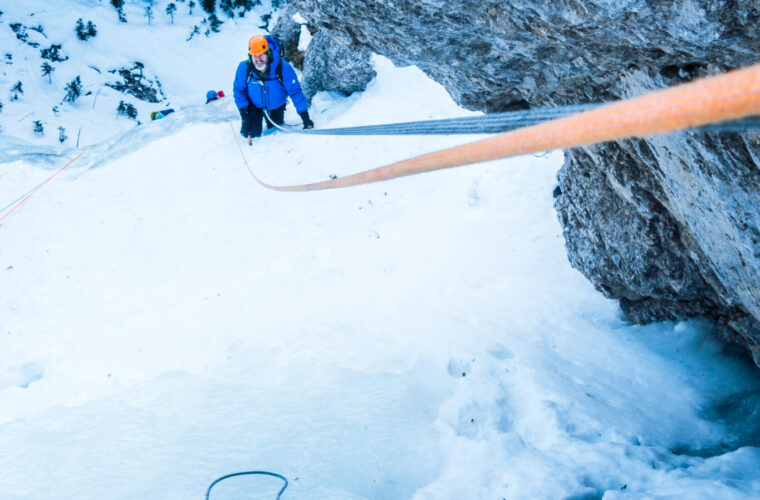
[[288, 33], [670, 225], [332, 63]]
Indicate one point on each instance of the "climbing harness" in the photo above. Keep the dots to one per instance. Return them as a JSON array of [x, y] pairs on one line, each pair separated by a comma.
[[246, 473], [16, 203], [730, 101]]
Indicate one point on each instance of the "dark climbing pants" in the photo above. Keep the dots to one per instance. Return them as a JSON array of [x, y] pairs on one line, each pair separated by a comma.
[[252, 117]]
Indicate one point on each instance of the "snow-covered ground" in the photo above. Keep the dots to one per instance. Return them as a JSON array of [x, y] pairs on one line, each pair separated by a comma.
[[184, 69], [165, 321]]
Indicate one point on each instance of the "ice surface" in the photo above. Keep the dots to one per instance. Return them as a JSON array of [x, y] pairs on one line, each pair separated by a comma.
[[166, 321]]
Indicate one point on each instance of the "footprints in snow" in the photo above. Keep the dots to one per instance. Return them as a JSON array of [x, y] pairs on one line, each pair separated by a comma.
[[476, 413]]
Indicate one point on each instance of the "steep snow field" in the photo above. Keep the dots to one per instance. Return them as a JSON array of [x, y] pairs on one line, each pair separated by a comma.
[[184, 69], [165, 321]]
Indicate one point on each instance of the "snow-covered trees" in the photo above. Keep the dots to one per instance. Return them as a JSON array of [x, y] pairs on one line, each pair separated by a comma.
[[73, 90], [195, 31], [213, 24], [47, 70], [85, 32], [209, 5], [126, 109], [231, 7], [119, 6], [16, 91], [52, 53], [170, 10]]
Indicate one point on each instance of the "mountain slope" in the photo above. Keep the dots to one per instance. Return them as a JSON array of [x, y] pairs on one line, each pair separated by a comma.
[[166, 320]]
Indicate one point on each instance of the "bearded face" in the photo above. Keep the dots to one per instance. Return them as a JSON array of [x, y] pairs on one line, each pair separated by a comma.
[[261, 62]]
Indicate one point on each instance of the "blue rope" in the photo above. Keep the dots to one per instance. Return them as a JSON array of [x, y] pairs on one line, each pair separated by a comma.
[[246, 473]]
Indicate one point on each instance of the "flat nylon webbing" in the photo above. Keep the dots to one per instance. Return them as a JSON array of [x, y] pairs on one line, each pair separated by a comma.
[[731, 97], [485, 124], [488, 124]]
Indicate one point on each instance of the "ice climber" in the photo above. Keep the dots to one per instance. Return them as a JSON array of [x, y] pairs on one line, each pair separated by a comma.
[[213, 95], [263, 82]]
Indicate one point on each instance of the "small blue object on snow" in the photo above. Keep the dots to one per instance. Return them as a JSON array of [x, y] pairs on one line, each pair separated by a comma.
[[157, 115]]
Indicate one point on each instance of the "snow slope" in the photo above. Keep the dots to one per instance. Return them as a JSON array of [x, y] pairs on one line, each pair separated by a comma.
[[185, 69], [165, 321]]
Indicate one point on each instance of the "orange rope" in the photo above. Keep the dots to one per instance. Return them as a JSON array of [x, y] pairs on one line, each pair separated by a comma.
[[715, 99]]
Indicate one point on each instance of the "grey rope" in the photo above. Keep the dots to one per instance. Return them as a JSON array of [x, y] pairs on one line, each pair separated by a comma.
[[489, 124], [248, 473], [484, 124]]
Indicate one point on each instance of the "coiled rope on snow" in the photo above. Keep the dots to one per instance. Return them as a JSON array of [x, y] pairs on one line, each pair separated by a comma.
[[249, 473]]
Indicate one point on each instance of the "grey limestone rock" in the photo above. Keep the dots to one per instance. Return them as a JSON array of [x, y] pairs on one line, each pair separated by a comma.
[[288, 32], [669, 225], [333, 64]]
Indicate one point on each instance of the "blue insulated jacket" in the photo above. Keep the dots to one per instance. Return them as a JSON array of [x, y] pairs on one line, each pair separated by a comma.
[[268, 93]]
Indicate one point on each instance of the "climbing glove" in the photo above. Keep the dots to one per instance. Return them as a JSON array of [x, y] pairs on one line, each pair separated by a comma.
[[307, 123]]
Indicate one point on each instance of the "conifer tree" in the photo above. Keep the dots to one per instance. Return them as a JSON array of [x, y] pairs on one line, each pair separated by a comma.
[[62, 135], [85, 32], [80, 30], [196, 31], [266, 18], [16, 91], [170, 10], [214, 23], [47, 70], [149, 13], [119, 6], [73, 90], [126, 109], [244, 6], [227, 7], [39, 129], [208, 5], [52, 53]]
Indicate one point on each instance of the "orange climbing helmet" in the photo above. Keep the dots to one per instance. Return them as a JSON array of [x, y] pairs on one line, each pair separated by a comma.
[[257, 45]]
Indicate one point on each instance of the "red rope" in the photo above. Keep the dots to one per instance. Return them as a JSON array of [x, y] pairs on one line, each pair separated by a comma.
[[41, 185]]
